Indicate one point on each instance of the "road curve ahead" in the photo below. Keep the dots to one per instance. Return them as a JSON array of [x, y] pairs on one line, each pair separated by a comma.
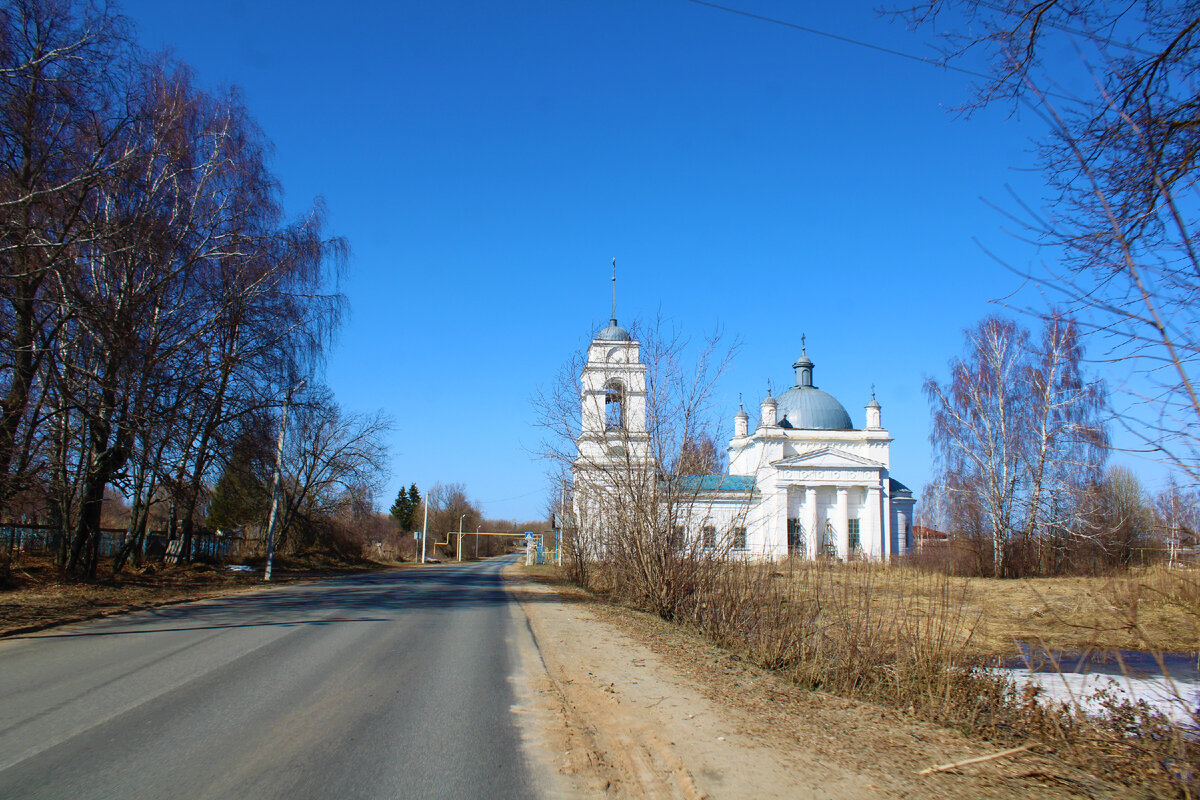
[[387, 685]]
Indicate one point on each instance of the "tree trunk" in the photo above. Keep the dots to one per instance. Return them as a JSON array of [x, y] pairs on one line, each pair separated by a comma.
[[12, 409], [104, 458]]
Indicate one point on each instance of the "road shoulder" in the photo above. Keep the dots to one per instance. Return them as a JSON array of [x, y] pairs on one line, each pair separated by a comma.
[[634, 707]]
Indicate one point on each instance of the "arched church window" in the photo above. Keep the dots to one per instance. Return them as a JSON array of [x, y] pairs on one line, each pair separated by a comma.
[[614, 407]]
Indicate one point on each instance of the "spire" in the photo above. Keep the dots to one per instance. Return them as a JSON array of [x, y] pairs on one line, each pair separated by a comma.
[[614, 332], [614, 304]]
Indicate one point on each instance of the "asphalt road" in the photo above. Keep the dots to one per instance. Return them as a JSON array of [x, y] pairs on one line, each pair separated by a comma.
[[387, 685]]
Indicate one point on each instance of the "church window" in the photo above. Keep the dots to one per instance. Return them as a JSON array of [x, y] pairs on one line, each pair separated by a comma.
[[796, 544], [614, 407], [855, 536], [708, 537], [739, 538]]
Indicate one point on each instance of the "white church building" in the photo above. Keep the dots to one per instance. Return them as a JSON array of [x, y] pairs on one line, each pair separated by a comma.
[[804, 481]]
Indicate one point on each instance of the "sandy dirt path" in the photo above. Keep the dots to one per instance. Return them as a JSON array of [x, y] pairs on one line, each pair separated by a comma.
[[630, 707]]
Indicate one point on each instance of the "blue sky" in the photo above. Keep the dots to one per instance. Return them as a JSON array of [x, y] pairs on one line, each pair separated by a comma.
[[486, 162]]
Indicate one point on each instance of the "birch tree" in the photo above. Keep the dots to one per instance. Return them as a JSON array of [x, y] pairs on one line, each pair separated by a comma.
[[1017, 436], [1118, 222]]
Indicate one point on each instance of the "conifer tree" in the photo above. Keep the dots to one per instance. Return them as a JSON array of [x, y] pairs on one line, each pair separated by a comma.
[[406, 505]]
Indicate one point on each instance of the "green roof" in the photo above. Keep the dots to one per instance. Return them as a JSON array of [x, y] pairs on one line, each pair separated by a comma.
[[714, 483]]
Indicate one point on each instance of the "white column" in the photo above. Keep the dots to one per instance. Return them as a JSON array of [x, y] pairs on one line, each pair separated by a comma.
[[843, 521], [810, 521], [887, 524], [874, 531], [778, 527]]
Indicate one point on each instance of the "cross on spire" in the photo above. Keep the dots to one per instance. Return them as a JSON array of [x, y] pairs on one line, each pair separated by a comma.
[[803, 346]]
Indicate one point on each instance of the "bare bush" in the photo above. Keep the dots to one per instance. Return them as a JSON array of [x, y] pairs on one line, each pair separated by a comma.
[[637, 524], [903, 637]]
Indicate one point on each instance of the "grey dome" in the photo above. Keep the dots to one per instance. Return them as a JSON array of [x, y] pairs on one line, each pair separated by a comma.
[[809, 407], [613, 333], [806, 406]]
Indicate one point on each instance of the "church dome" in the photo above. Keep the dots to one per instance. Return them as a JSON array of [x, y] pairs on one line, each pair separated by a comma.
[[809, 407], [613, 333], [806, 406]]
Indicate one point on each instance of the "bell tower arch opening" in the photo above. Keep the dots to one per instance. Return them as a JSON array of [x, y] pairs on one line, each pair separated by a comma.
[[614, 406]]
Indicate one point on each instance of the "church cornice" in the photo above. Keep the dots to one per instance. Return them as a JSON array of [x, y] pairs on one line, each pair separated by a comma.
[[828, 457]]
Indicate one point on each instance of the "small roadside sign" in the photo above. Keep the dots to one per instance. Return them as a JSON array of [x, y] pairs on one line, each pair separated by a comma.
[[528, 535]]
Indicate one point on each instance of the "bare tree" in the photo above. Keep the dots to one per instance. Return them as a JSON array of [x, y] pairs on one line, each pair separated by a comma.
[[1120, 159], [1124, 517], [633, 503], [1177, 519], [152, 295], [1017, 435], [58, 64], [334, 462]]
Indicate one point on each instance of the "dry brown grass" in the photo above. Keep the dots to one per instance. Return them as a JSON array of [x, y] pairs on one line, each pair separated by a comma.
[[36, 599], [1152, 608], [920, 641]]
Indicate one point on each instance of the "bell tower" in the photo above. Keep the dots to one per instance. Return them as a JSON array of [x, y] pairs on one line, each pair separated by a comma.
[[613, 398]]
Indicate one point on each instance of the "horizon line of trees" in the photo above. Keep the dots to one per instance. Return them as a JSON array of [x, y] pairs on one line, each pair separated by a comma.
[[451, 509]]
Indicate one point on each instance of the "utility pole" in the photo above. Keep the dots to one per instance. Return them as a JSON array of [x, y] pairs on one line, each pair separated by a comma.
[[460, 522], [275, 485], [562, 510], [424, 527]]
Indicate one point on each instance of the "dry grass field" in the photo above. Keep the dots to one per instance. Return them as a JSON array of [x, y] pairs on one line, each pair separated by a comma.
[[1145, 609], [1148, 609]]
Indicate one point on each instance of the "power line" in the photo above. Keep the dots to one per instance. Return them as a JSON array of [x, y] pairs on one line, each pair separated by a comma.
[[844, 39], [932, 62]]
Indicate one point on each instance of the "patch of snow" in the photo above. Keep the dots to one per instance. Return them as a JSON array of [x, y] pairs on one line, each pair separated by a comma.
[[1178, 699]]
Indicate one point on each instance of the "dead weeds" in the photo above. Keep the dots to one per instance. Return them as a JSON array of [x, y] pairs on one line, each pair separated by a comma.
[[919, 642], [36, 598]]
